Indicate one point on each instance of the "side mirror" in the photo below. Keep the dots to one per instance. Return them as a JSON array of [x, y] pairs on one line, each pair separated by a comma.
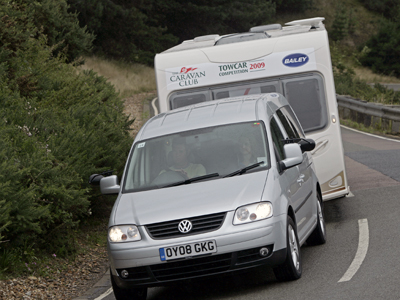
[[94, 179], [307, 144], [294, 156], [109, 185]]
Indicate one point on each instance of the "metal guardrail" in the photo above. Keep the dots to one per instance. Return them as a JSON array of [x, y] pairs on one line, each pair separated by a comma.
[[369, 113]]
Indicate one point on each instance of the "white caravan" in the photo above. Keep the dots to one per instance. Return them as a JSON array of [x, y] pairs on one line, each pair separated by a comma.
[[293, 60]]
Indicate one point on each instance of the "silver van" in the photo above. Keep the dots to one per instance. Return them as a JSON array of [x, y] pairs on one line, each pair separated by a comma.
[[211, 189]]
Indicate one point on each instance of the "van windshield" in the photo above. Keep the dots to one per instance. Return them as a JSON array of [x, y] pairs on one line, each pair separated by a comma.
[[197, 155]]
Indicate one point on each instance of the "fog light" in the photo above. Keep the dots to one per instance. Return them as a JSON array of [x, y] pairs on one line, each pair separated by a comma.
[[264, 252], [124, 274]]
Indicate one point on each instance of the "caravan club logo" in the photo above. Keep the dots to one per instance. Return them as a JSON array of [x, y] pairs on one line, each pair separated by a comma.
[[295, 60], [185, 70], [187, 76]]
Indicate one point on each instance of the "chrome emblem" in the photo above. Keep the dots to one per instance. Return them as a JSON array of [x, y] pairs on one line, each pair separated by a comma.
[[185, 226]]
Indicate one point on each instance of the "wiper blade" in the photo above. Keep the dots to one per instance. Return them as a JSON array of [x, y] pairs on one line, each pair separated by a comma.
[[190, 180], [244, 170]]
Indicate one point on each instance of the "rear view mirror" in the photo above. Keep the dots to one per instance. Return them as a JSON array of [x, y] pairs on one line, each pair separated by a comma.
[[307, 144], [294, 156], [109, 185]]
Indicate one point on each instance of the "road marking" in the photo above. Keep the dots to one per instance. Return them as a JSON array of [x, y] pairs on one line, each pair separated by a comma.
[[102, 296], [370, 134], [154, 106], [363, 241]]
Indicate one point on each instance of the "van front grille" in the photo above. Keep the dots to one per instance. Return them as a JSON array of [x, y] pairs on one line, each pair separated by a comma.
[[200, 224]]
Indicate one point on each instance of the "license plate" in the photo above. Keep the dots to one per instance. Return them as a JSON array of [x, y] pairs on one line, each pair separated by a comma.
[[188, 250]]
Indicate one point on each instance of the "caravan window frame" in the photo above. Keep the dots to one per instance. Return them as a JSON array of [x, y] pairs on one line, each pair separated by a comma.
[[281, 84]]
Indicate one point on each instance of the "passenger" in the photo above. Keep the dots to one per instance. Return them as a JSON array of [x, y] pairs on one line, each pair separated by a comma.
[[181, 161], [246, 156]]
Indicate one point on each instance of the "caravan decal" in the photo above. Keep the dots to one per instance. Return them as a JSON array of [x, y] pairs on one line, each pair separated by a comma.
[[187, 77], [295, 60]]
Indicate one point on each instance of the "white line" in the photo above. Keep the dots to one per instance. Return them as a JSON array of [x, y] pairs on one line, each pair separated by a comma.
[[363, 241], [370, 134], [154, 106], [102, 296]]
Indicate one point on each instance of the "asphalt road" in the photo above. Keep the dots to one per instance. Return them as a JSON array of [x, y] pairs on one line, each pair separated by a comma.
[[361, 257]]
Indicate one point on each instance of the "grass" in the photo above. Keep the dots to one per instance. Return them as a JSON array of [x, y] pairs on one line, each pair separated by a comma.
[[370, 129], [127, 78], [366, 74]]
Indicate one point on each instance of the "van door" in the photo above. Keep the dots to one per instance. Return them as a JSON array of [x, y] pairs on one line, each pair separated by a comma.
[[302, 202]]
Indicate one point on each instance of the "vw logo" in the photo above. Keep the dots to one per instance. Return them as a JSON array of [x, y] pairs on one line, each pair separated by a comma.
[[185, 226]]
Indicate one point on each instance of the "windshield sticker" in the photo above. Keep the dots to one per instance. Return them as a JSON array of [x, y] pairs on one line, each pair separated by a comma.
[[141, 145], [197, 75]]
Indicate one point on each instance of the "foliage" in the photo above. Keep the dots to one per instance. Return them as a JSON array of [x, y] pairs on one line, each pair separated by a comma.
[[384, 50], [346, 83], [136, 30], [343, 24], [187, 19], [51, 18], [124, 29], [56, 128], [293, 5], [389, 8]]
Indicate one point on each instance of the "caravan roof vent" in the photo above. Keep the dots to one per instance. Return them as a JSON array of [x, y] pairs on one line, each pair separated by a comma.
[[206, 37], [264, 28], [241, 37]]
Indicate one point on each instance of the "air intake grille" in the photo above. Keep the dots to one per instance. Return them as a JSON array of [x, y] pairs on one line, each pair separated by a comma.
[[192, 267], [200, 224]]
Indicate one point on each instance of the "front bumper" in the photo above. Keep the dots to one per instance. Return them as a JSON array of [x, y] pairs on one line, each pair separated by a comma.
[[197, 268], [238, 249]]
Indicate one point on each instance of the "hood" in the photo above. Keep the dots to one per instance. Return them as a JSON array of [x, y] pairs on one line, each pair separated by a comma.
[[196, 199]]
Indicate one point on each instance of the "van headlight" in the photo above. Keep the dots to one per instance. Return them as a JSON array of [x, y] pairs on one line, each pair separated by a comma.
[[123, 233], [252, 212]]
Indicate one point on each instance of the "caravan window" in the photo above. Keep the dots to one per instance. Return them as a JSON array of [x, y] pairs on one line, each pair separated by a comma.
[[248, 89], [305, 94], [307, 98]]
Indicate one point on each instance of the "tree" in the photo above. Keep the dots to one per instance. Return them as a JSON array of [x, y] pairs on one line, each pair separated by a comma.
[[61, 27], [56, 128], [124, 29], [188, 18], [384, 50], [285, 6]]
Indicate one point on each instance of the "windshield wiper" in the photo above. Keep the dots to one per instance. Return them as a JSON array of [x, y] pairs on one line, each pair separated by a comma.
[[190, 180], [244, 170]]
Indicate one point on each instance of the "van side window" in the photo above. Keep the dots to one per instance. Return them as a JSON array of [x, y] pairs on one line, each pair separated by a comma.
[[277, 138], [289, 128]]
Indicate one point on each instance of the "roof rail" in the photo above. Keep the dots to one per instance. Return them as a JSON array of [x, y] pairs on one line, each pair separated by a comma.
[[264, 28], [206, 37], [313, 22]]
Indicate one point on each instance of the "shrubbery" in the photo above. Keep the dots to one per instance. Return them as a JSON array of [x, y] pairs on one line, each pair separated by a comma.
[[346, 83], [57, 126]]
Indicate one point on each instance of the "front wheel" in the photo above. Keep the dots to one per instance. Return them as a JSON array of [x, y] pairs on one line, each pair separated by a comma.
[[318, 236], [128, 294], [292, 267]]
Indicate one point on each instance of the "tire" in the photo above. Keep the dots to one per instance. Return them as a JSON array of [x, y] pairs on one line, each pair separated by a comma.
[[318, 236], [128, 294], [292, 267]]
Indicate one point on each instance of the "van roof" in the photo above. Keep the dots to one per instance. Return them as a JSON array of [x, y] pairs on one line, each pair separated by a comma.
[[255, 33], [213, 113]]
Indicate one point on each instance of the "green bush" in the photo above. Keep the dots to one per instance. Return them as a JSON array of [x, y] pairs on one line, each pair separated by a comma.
[[384, 50], [346, 83], [57, 126]]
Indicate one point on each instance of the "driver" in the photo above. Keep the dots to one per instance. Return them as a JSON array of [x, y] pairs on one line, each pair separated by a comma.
[[181, 162]]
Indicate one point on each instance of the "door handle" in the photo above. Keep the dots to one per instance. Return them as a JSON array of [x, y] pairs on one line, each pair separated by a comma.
[[300, 180]]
